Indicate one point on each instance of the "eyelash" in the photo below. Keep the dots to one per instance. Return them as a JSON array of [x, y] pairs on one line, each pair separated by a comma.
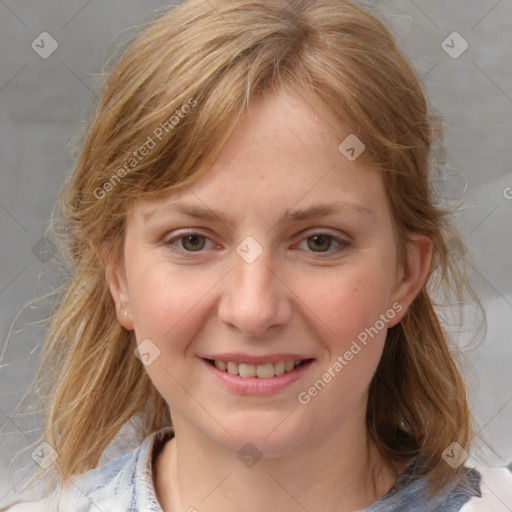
[[182, 252]]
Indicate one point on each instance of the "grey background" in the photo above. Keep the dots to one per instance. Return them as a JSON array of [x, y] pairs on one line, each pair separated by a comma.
[[45, 100]]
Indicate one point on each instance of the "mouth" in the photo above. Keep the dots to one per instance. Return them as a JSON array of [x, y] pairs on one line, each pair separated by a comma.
[[261, 371]]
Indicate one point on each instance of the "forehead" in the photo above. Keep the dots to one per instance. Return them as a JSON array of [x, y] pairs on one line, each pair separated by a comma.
[[284, 152]]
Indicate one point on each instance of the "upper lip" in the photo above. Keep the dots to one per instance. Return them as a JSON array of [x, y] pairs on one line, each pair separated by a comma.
[[252, 359]]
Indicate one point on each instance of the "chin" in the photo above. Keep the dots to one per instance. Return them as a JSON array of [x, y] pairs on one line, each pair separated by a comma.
[[270, 434]]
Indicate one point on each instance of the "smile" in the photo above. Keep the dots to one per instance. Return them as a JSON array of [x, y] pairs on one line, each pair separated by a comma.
[[261, 371], [256, 377]]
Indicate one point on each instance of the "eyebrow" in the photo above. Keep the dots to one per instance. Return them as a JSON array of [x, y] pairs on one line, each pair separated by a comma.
[[297, 215]]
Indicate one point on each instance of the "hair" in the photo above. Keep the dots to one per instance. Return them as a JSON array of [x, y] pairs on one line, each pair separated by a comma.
[[179, 91]]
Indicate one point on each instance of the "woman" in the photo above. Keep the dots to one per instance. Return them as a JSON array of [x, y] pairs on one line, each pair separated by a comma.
[[256, 248]]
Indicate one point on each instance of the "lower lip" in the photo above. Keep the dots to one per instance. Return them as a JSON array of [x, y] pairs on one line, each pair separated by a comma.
[[255, 385]]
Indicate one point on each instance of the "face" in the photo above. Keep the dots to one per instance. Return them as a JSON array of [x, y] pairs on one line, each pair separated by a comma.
[[262, 294]]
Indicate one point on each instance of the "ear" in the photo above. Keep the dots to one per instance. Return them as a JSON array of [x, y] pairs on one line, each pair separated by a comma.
[[116, 279], [411, 281], [115, 276]]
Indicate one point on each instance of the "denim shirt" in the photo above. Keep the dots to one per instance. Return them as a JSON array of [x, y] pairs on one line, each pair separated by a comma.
[[126, 485]]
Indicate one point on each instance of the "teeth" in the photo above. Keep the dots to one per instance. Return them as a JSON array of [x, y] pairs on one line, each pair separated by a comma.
[[265, 371], [247, 370], [233, 368], [221, 365], [279, 368], [262, 371]]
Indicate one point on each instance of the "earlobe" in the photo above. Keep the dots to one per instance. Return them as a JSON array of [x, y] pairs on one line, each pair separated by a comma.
[[412, 279]]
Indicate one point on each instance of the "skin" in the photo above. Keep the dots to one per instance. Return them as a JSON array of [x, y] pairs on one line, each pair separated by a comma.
[[302, 295]]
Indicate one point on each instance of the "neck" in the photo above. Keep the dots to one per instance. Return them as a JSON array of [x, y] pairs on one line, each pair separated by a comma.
[[342, 473]]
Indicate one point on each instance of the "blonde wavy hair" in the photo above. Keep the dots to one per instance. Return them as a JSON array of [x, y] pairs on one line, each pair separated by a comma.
[[214, 56]]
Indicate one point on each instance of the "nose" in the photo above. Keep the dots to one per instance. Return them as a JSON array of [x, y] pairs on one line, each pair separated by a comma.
[[254, 298]]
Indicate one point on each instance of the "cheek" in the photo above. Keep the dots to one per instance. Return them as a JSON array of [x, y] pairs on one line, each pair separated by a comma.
[[167, 306], [353, 308], [166, 302], [348, 301]]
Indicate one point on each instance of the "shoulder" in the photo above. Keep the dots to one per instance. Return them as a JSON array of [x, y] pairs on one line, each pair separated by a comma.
[[124, 483], [496, 492], [98, 487], [480, 490]]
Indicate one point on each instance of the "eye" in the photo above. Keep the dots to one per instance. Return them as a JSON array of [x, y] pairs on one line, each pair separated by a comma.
[[186, 243], [189, 242], [323, 242]]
